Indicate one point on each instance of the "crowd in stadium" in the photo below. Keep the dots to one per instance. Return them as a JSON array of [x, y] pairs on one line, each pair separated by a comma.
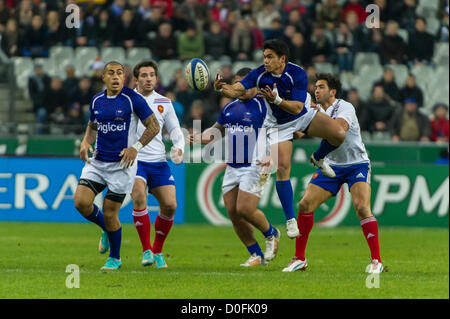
[[327, 31]]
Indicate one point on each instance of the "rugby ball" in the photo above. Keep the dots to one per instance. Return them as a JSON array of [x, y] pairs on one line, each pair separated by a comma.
[[197, 74]]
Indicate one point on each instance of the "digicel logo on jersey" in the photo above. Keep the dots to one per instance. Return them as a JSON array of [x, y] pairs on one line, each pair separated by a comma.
[[108, 127]]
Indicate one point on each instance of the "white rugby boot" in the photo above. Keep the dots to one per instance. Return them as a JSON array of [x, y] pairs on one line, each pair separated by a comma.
[[296, 264], [323, 166], [375, 267], [272, 246], [254, 260], [292, 228]]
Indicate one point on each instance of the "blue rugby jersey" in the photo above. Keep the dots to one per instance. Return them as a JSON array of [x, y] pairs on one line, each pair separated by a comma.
[[242, 120], [117, 118], [292, 85]]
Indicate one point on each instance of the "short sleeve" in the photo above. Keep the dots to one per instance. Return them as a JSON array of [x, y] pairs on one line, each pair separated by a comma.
[[140, 107], [300, 88], [221, 119], [346, 112], [250, 79]]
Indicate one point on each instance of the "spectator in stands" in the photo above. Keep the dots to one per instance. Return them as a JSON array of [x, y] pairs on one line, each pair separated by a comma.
[[24, 14], [241, 45], [276, 30], [184, 94], [389, 85], [362, 111], [295, 19], [330, 14], [320, 46], [104, 29], [56, 101], [353, 6], [361, 36], [420, 44], [118, 7], [410, 125], [85, 35], [73, 122], [4, 15], [190, 43], [443, 157], [405, 13], [177, 106], [299, 50], [165, 5], [440, 123], [35, 39], [266, 15], [216, 41], [82, 96], [219, 13], [227, 73], [55, 32], [381, 110], [164, 46], [70, 83], [9, 38], [257, 34], [245, 9], [197, 12], [393, 48], [38, 85], [345, 48], [411, 90], [179, 19], [197, 112], [442, 35], [144, 10], [294, 5], [96, 78], [125, 34]]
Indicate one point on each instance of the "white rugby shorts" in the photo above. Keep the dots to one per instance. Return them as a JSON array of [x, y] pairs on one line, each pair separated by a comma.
[[116, 178], [246, 178]]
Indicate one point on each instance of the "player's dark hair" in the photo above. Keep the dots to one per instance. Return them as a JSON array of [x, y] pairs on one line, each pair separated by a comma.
[[333, 82], [278, 46], [111, 63], [243, 71], [144, 64]]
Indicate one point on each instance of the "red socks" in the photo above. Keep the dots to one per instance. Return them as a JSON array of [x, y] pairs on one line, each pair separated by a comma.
[[142, 223], [305, 223], [370, 230], [162, 228]]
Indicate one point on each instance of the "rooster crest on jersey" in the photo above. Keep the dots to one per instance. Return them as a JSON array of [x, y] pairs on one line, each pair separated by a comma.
[[197, 74]]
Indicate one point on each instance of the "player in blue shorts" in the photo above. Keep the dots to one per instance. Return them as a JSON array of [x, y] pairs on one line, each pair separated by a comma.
[[153, 171], [351, 164], [284, 88], [112, 126], [242, 186]]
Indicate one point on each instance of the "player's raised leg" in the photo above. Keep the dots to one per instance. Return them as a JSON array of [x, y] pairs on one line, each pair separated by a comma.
[[361, 202], [84, 203], [314, 196], [246, 207], [284, 186], [142, 220], [243, 229], [333, 136], [167, 199], [111, 206]]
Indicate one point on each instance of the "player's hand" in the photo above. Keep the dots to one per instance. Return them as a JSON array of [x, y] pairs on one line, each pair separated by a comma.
[[268, 94], [85, 148], [194, 138], [265, 169], [218, 82], [176, 155], [128, 157]]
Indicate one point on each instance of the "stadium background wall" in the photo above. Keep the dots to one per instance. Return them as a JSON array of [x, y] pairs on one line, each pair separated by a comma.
[[407, 189]]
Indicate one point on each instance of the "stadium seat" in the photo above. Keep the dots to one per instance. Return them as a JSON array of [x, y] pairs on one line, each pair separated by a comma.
[[363, 85], [429, 3], [381, 137], [433, 25], [113, 54], [403, 33], [346, 80], [441, 54], [243, 64], [84, 57], [23, 68], [258, 56], [58, 53], [136, 55], [366, 136], [423, 75], [166, 70], [365, 58], [325, 68], [48, 64], [401, 73], [371, 72], [213, 66]]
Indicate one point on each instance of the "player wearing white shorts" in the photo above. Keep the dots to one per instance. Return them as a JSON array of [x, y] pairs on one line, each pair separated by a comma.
[[351, 165], [115, 113], [283, 85], [153, 171], [242, 186]]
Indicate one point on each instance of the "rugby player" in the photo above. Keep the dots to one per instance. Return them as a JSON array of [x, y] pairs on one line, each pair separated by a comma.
[[112, 126]]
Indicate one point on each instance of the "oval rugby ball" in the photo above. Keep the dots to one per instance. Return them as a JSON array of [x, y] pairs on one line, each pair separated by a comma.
[[197, 74]]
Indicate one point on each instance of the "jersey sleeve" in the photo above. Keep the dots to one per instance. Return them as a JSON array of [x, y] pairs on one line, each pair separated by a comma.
[[140, 107], [300, 88], [221, 118], [250, 79], [173, 127], [346, 112]]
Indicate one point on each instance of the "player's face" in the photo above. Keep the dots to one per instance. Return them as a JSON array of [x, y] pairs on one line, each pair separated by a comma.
[[113, 77], [272, 62], [146, 80], [322, 92]]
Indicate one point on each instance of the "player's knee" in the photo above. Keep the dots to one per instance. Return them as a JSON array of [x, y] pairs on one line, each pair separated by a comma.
[[243, 209], [362, 211], [305, 206], [139, 199], [169, 208], [283, 171], [82, 206]]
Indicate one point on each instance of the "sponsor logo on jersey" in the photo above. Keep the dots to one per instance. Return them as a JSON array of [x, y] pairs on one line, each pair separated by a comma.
[[108, 127], [239, 128]]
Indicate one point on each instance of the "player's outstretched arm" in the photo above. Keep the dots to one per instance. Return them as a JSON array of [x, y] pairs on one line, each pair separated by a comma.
[[293, 107], [152, 129], [231, 91], [208, 135], [88, 139]]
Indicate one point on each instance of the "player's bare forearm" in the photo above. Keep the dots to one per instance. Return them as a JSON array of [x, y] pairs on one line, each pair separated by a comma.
[[210, 134], [152, 129], [293, 107], [91, 133], [232, 91]]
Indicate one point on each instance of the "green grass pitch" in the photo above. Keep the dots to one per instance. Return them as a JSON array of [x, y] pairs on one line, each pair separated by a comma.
[[204, 263]]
